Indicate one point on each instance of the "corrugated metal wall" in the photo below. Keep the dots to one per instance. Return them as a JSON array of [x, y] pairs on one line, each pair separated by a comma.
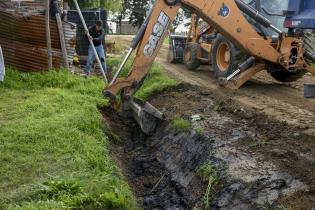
[[70, 31], [28, 29], [23, 39], [35, 6]]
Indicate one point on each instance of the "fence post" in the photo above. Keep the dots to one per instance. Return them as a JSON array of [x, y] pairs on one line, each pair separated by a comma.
[[48, 38]]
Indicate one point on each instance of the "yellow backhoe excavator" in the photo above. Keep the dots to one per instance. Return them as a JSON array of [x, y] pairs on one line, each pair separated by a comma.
[[204, 45], [227, 17]]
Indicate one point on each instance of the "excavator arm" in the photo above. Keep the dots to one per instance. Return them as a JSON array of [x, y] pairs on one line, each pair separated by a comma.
[[227, 17], [148, 42]]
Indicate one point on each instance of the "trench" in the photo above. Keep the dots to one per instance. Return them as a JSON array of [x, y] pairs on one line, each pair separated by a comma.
[[162, 168]]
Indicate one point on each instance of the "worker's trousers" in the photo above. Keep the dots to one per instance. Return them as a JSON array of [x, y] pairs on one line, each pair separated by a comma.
[[91, 58]]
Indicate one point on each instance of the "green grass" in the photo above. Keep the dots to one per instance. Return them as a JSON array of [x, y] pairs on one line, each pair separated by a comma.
[[53, 146], [166, 41], [180, 125], [119, 47], [113, 64], [208, 172], [258, 143], [199, 131], [156, 81]]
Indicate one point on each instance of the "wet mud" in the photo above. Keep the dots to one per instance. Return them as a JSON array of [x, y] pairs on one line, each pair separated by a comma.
[[262, 163]]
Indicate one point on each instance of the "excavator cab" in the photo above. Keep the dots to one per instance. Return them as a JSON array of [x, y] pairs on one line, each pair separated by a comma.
[[273, 10]]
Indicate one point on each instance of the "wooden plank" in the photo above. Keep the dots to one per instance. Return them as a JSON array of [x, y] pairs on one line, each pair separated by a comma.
[[48, 38], [62, 41]]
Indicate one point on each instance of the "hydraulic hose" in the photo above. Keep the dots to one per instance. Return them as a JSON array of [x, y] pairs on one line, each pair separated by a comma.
[[253, 13], [133, 46]]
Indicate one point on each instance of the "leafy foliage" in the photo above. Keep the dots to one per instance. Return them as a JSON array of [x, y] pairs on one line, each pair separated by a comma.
[[123, 13], [138, 12], [182, 14], [111, 5]]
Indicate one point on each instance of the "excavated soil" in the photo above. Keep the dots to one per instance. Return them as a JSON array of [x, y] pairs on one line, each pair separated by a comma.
[[263, 163]]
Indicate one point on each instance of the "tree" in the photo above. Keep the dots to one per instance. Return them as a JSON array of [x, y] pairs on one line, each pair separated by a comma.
[[123, 13], [182, 14], [111, 5], [138, 12]]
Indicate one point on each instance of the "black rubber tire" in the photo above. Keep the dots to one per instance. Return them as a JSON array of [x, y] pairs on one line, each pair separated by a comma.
[[179, 53], [170, 56], [282, 75], [236, 57], [193, 63]]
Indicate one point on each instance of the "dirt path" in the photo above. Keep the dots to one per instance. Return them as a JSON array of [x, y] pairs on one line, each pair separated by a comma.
[[283, 102]]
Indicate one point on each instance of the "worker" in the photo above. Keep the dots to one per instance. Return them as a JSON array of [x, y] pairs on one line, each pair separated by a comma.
[[97, 35]]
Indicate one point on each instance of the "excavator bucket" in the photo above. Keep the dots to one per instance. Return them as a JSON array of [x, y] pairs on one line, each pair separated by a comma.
[[2, 68], [146, 115]]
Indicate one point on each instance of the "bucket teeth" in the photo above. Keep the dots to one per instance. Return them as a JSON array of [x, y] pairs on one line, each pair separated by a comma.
[[146, 115]]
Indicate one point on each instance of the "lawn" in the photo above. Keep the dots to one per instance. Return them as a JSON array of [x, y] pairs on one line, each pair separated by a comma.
[[53, 149], [53, 146], [156, 80]]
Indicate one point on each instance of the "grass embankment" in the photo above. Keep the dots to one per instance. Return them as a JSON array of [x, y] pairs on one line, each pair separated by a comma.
[[53, 149], [166, 40], [156, 80], [54, 152]]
